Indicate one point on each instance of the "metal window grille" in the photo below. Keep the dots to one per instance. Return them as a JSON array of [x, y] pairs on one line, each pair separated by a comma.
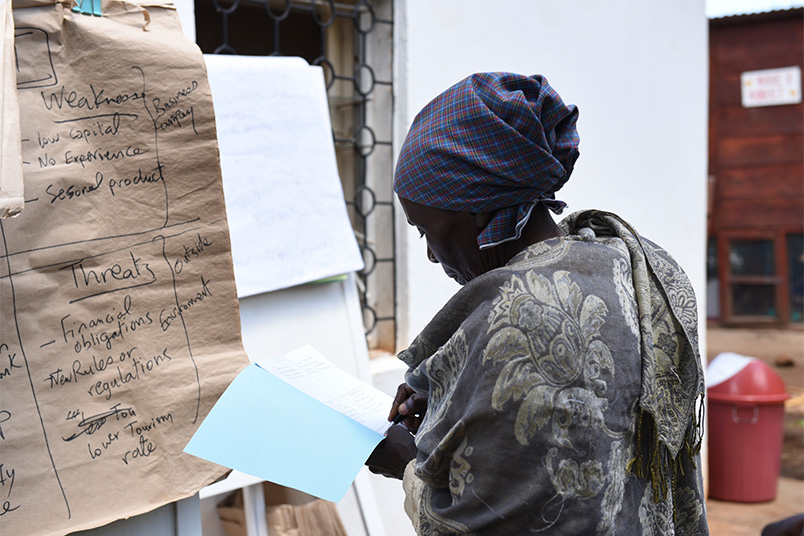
[[352, 42]]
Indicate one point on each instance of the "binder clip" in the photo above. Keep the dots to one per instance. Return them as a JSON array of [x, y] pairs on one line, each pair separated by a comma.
[[88, 7]]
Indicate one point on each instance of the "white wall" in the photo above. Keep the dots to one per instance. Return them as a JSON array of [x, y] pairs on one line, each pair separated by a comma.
[[637, 71], [186, 11]]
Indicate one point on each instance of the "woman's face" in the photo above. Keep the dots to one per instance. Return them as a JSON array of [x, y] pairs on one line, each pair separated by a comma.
[[451, 239]]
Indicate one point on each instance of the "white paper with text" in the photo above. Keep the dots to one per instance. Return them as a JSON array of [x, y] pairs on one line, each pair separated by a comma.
[[310, 372], [280, 175]]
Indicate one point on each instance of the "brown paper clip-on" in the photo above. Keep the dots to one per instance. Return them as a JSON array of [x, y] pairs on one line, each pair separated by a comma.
[[88, 7]]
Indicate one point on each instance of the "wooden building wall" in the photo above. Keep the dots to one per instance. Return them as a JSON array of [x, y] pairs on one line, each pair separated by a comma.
[[756, 168]]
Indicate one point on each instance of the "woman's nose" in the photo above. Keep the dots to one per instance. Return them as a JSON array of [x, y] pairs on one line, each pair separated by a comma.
[[431, 256]]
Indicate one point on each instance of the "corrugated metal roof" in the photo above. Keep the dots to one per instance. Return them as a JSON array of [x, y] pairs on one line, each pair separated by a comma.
[[716, 9]]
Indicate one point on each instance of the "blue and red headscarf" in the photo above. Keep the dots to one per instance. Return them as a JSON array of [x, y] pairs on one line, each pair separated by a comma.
[[493, 142]]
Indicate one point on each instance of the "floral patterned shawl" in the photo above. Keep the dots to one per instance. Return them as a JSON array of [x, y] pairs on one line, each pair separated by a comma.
[[564, 394]]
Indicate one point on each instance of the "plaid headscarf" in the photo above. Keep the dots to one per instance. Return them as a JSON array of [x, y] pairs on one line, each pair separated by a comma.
[[492, 142]]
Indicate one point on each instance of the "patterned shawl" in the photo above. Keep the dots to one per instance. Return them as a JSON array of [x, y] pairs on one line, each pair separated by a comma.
[[565, 392]]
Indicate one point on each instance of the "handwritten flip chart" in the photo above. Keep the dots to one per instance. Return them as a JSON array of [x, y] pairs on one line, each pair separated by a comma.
[[119, 326], [280, 173], [296, 420]]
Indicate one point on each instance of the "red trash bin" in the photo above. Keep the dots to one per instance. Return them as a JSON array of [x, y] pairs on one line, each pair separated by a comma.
[[746, 427]]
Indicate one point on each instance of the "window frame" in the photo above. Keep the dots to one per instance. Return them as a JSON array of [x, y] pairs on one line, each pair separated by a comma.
[[780, 278]]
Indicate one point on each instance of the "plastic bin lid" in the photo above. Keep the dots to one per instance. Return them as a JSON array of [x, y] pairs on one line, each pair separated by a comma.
[[737, 378]]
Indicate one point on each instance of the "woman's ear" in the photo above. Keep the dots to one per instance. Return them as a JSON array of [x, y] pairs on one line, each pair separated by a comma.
[[481, 219]]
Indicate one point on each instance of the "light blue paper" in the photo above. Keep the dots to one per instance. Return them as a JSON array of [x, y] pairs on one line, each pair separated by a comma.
[[263, 427]]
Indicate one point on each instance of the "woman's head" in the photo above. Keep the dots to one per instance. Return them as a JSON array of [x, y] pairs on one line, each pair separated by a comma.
[[452, 238], [494, 143]]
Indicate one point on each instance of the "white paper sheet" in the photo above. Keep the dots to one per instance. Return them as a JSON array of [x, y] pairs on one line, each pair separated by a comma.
[[310, 372], [11, 185], [285, 205]]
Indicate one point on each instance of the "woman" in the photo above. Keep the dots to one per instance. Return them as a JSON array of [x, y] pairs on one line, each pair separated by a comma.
[[559, 391]]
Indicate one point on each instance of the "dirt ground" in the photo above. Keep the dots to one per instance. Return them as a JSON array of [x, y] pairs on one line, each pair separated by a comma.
[[783, 350]]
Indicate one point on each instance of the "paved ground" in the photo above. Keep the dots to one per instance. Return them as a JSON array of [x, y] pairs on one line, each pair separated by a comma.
[[744, 519]]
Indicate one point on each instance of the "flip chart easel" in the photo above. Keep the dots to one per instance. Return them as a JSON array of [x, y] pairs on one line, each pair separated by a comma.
[[181, 518], [280, 176]]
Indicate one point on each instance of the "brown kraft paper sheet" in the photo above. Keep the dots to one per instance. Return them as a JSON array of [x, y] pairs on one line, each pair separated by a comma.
[[119, 323]]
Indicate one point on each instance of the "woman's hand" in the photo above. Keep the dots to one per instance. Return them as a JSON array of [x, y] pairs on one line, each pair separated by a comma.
[[393, 454], [410, 405]]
